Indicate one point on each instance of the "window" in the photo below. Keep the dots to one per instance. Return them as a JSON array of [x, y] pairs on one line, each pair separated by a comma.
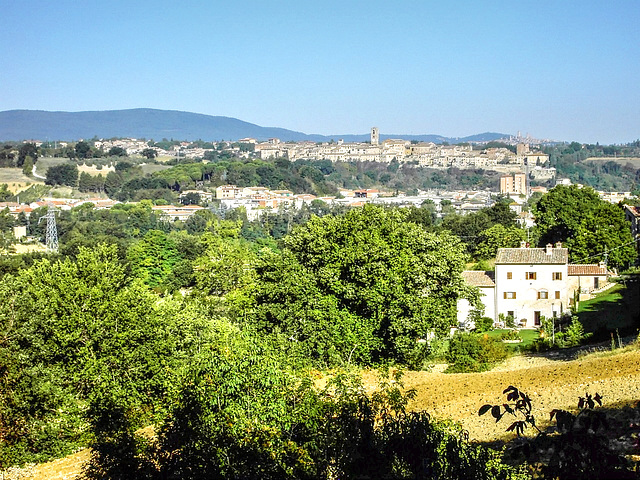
[[510, 295], [530, 275], [543, 294], [557, 275], [557, 294], [510, 314], [509, 275]]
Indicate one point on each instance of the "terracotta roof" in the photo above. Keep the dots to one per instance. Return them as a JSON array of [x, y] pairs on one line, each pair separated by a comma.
[[532, 256], [587, 269], [478, 278], [635, 211]]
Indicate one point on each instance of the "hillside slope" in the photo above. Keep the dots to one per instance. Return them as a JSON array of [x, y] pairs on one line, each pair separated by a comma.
[[158, 124]]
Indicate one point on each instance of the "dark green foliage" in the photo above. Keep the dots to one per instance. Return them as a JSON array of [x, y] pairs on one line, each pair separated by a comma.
[[64, 174], [117, 152], [149, 153], [484, 324], [82, 150], [239, 413], [27, 150]]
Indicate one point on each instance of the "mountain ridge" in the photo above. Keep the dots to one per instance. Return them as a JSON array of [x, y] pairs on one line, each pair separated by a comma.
[[157, 124]]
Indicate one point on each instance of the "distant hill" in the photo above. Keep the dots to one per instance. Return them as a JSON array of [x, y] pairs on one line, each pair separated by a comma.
[[158, 124]]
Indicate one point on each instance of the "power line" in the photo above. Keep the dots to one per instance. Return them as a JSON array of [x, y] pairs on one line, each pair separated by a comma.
[[606, 251]]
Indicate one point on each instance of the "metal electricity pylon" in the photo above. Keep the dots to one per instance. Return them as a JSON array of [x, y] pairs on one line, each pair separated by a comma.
[[51, 235]]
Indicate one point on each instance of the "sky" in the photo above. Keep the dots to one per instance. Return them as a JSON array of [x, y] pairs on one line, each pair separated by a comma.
[[563, 70]]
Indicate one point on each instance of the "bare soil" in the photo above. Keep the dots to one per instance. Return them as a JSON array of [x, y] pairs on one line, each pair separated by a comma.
[[551, 382]]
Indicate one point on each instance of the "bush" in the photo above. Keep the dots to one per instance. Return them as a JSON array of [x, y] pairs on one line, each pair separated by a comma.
[[470, 352], [484, 324], [511, 335], [555, 333], [224, 425]]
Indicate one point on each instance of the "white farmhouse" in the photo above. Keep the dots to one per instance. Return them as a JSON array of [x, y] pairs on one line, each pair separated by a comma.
[[532, 283]]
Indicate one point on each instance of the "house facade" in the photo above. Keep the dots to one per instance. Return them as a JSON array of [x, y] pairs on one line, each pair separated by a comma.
[[531, 283]]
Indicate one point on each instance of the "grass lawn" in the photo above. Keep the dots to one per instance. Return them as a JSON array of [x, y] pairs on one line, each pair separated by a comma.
[[616, 308], [528, 337], [153, 167], [43, 164]]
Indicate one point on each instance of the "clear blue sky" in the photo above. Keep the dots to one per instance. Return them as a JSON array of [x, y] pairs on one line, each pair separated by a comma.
[[563, 69]]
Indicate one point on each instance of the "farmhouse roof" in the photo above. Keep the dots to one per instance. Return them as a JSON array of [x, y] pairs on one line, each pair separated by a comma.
[[587, 269], [532, 256], [478, 278]]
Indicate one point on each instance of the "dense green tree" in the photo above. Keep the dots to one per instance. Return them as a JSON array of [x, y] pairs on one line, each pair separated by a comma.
[[498, 236], [68, 329], [191, 198], [241, 413], [4, 192], [82, 150], [153, 258], [27, 150], [27, 166], [588, 226], [396, 280], [149, 153], [65, 174], [117, 152]]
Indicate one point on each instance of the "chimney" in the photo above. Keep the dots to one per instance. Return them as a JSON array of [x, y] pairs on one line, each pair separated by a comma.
[[558, 244], [549, 248], [523, 244]]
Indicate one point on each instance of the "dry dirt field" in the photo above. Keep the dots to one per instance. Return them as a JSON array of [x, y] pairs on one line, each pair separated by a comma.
[[550, 384], [16, 180]]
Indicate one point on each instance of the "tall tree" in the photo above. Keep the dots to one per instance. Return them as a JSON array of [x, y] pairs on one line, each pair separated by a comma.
[[27, 150], [588, 226], [389, 277], [65, 174], [70, 328]]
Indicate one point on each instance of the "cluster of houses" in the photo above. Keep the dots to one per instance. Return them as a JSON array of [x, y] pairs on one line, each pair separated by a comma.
[[531, 283], [169, 212], [426, 154]]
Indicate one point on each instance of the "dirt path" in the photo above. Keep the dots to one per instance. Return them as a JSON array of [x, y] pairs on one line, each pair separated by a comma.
[[550, 384]]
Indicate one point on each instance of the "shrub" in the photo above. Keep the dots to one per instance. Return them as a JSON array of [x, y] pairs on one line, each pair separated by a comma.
[[511, 335], [484, 324], [473, 353]]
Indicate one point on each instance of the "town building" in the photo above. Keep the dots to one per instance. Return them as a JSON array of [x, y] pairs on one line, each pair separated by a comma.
[[513, 184], [375, 136]]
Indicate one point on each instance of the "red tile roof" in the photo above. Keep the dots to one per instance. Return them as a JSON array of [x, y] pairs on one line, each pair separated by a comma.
[[479, 278], [587, 269]]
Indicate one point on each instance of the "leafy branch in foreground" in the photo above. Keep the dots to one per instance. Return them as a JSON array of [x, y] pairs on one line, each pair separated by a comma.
[[576, 447]]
